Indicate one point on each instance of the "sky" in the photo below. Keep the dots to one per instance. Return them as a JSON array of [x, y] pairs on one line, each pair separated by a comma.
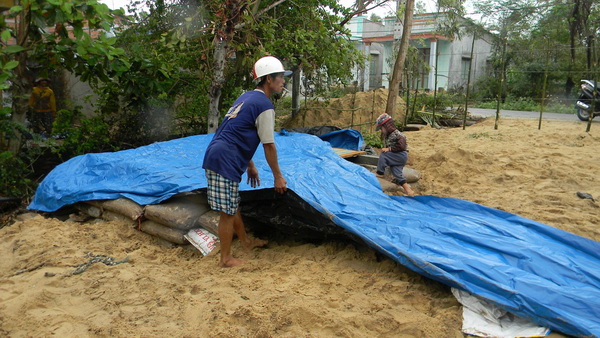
[[390, 7], [382, 11]]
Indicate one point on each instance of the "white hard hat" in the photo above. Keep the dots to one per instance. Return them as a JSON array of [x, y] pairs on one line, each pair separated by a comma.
[[268, 65]]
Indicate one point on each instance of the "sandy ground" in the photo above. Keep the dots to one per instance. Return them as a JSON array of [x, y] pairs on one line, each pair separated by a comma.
[[357, 111], [292, 288]]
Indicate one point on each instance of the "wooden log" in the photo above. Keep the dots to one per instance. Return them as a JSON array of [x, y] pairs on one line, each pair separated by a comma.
[[170, 234], [123, 206], [414, 127], [179, 212]]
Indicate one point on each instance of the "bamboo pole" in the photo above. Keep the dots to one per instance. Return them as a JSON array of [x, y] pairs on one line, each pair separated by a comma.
[[437, 55], [468, 83], [353, 107], [416, 93], [593, 72], [501, 87], [373, 108], [544, 86], [407, 98]]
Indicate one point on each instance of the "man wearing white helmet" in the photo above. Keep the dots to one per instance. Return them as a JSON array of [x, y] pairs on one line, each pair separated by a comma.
[[249, 122]]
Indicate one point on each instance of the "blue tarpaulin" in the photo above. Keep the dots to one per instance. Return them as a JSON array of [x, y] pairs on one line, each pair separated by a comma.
[[345, 138], [547, 275]]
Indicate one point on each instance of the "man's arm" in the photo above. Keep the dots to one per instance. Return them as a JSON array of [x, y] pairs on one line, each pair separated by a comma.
[[271, 156], [253, 178]]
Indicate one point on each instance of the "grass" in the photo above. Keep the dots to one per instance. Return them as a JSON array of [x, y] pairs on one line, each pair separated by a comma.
[[485, 135], [526, 104]]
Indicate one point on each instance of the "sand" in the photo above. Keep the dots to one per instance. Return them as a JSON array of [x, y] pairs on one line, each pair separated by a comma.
[[357, 111], [294, 288]]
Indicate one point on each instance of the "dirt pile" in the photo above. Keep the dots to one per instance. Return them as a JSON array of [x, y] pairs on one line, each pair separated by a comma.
[[357, 111]]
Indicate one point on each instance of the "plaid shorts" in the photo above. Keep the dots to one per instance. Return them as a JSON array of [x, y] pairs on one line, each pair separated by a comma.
[[223, 194]]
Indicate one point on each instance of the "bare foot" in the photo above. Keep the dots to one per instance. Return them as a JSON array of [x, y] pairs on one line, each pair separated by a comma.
[[408, 190], [379, 176], [252, 243], [230, 262]]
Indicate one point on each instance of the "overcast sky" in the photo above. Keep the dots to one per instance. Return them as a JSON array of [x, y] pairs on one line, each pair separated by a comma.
[[382, 11]]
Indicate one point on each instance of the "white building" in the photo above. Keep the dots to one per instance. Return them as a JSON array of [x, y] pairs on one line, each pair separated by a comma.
[[378, 40]]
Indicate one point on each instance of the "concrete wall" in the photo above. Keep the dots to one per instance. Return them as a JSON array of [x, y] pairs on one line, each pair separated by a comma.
[[461, 49], [80, 93], [452, 52], [443, 64]]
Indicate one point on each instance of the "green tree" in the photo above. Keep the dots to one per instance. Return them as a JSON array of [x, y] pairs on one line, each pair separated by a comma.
[[564, 31], [218, 42], [56, 34], [307, 35]]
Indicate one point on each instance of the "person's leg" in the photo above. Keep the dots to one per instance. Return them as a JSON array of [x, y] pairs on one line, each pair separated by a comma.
[[47, 120], [248, 242], [223, 196], [408, 190], [226, 229], [382, 163], [397, 168], [36, 122]]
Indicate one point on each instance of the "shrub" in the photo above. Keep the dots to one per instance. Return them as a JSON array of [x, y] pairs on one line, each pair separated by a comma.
[[79, 134], [520, 103], [15, 174], [526, 104], [374, 140]]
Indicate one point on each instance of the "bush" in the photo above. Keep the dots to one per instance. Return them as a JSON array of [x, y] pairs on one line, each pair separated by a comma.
[[15, 174], [520, 103], [559, 108], [442, 100], [374, 140], [79, 134], [526, 104]]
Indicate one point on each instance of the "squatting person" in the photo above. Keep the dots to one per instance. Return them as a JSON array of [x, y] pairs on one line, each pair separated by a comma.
[[395, 155]]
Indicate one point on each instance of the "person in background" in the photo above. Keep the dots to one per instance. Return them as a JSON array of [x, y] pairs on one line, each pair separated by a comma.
[[248, 123], [43, 107], [395, 154]]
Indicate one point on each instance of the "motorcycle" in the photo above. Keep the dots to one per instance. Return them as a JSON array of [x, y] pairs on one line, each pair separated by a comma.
[[584, 104]]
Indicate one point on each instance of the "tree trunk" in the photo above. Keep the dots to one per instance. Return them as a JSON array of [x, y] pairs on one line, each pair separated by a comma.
[[469, 82], [501, 83], [435, 84], [216, 85], [20, 84], [399, 64], [228, 23], [543, 102], [589, 46], [296, 91]]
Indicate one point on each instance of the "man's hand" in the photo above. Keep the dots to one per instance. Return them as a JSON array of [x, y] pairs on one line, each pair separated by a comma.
[[253, 178], [385, 150], [280, 184]]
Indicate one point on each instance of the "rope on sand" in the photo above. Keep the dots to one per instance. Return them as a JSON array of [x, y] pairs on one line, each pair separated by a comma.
[[107, 260]]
